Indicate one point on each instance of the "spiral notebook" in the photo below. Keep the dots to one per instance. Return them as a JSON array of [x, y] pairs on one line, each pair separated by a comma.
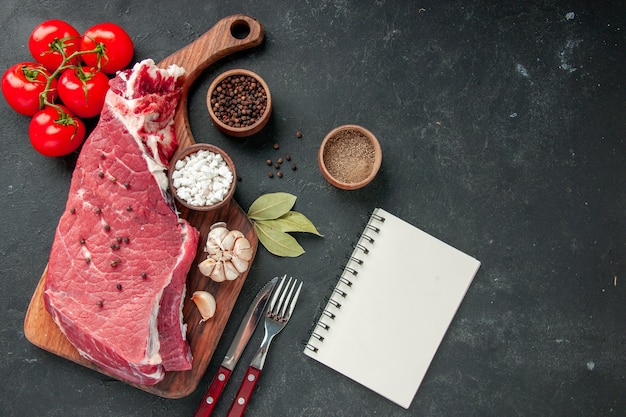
[[391, 307]]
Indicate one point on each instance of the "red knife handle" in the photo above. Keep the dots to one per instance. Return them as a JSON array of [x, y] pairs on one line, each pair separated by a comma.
[[206, 406], [238, 407]]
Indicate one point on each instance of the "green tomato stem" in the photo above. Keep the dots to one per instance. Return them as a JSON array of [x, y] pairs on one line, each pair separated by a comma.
[[58, 46]]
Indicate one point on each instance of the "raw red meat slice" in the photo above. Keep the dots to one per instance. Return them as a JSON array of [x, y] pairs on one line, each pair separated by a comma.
[[120, 256]]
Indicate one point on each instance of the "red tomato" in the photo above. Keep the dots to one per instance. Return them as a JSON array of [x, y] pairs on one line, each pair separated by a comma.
[[82, 90], [23, 84], [118, 48], [51, 40], [55, 132]]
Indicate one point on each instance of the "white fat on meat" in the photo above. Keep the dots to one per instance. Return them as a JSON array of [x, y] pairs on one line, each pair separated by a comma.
[[123, 108]]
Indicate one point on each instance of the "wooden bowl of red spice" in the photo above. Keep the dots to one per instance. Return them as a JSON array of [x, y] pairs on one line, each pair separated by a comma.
[[350, 157], [239, 102]]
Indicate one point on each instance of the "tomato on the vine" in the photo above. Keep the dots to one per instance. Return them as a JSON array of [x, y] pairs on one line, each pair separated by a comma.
[[53, 131], [83, 89], [23, 84], [117, 51], [52, 41]]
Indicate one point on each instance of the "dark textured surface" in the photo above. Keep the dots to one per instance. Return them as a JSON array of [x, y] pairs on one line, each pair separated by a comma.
[[503, 133]]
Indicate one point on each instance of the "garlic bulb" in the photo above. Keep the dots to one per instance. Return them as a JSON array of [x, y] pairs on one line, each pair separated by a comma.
[[205, 303], [229, 254]]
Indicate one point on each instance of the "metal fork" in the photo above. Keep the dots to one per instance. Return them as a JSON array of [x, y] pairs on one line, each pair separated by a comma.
[[278, 314]]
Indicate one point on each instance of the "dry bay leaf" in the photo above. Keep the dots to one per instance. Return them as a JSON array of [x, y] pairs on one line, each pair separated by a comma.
[[292, 221], [271, 206], [277, 242]]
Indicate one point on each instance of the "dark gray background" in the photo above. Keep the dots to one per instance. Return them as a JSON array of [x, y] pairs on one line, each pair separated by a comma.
[[502, 126]]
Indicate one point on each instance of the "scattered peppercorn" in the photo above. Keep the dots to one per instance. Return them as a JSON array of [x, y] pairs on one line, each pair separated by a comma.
[[102, 156], [82, 241], [276, 145], [298, 134], [239, 179], [119, 239], [126, 240], [144, 275], [270, 174], [113, 179], [115, 262], [127, 185], [87, 260], [279, 174], [276, 165], [280, 160], [129, 208], [100, 303], [294, 167], [72, 210], [268, 162], [119, 287], [107, 227], [288, 157], [115, 246], [98, 210], [101, 174]]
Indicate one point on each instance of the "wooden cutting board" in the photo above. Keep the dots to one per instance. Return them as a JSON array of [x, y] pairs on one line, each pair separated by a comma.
[[229, 35]]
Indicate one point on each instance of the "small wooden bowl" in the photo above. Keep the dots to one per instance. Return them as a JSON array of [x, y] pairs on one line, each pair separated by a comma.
[[350, 157], [242, 131], [190, 150]]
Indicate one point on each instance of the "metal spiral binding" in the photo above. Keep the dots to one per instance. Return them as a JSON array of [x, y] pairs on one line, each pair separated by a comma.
[[362, 248], [351, 270], [334, 302], [368, 238], [323, 325], [345, 281], [378, 217], [340, 292], [316, 335], [355, 259], [336, 290]]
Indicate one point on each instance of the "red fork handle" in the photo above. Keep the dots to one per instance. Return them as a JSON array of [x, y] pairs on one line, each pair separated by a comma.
[[238, 407], [206, 406]]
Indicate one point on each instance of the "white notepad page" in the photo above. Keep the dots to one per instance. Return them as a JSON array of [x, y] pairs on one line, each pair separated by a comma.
[[397, 309]]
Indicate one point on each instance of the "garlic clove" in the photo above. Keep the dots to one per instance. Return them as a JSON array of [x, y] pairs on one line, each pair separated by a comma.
[[216, 236], [237, 234], [211, 247], [228, 242], [242, 249], [207, 266], [230, 271], [205, 302], [217, 233], [240, 264], [218, 274], [218, 224]]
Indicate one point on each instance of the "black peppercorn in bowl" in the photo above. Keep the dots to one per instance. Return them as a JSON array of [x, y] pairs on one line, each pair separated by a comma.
[[239, 102], [350, 157], [202, 177]]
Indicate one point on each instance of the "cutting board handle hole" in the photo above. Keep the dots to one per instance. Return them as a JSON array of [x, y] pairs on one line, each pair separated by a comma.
[[240, 29]]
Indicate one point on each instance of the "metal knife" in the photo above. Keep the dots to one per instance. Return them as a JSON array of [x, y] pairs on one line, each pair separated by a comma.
[[246, 328]]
